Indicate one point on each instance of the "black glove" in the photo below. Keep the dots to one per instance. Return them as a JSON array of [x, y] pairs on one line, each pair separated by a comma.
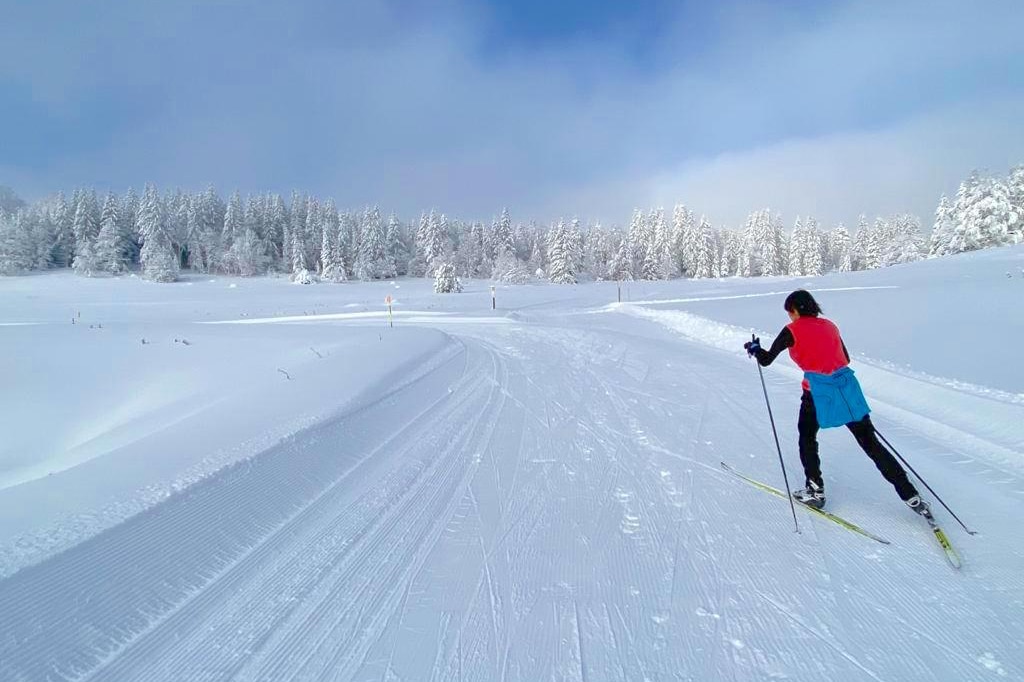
[[752, 346]]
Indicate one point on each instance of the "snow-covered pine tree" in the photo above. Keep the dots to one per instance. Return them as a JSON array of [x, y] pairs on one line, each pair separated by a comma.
[[665, 263], [15, 244], [535, 264], [86, 228], [395, 246], [210, 212], [840, 248], [639, 244], [445, 281], [247, 255], [770, 235], [300, 274], [596, 252], [986, 215], [333, 264], [501, 234], [874, 244], [684, 226], [112, 246], [35, 221], [64, 236], [861, 241], [749, 264], [468, 253], [812, 260], [942, 230], [727, 261], [234, 224], [175, 221], [704, 257], [296, 222], [128, 214], [372, 262], [574, 244], [797, 246], [311, 236], [159, 262], [434, 242], [907, 242], [1015, 186], [277, 226], [197, 255], [559, 256]]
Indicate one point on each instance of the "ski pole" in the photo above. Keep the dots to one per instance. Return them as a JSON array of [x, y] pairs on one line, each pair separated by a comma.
[[907, 464], [782, 463]]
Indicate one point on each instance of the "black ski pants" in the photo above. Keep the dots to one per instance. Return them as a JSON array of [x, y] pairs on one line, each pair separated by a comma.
[[864, 432]]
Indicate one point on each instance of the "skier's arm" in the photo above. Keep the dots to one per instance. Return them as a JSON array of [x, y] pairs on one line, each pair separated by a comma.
[[783, 341]]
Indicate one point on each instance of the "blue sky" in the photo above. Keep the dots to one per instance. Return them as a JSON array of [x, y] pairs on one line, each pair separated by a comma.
[[829, 108]]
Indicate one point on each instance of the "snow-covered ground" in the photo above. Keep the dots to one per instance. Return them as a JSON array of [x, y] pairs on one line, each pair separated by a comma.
[[279, 485]]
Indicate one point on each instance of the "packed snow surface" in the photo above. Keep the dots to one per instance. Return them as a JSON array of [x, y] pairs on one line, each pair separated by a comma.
[[230, 479]]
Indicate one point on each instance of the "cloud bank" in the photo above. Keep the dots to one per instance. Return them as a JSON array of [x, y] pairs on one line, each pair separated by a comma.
[[829, 109]]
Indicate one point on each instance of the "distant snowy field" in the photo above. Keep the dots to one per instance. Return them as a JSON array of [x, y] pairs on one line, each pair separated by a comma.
[[119, 393]]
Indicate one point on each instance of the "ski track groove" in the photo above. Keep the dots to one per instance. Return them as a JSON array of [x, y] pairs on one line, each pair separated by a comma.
[[214, 592]]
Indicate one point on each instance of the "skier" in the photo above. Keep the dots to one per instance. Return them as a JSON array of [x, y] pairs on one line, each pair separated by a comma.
[[831, 397]]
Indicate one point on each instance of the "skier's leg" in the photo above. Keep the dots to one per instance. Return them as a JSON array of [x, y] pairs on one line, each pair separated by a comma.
[[864, 432], [807, 426]]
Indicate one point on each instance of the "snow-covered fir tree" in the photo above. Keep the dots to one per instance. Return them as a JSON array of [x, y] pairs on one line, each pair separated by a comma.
[[234, 220], [797, 245], [86, 228], [859, 247], [501, 235], [159, 262], [373, 261], [15, 245], [704, 258], [906, 243], [331, 253], [113, 247], [1015, 188], [942, 228], [840, 249], [445, 280], [984, 215], [397, 246], [431, 244], [684, 239], [62, 218], [248, 256], [560, 260], [812, 251]]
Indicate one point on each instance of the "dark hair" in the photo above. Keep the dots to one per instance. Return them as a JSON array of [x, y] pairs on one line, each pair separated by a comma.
[[802, 302]]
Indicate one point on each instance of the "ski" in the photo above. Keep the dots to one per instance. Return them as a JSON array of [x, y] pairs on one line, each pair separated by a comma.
[[824, 514], [947, 547]]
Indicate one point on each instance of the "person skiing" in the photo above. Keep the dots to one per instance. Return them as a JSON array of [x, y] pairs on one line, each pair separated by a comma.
[[831, 397]]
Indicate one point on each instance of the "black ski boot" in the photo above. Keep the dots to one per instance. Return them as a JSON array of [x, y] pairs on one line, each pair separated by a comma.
[[813, 495], [918, 504]]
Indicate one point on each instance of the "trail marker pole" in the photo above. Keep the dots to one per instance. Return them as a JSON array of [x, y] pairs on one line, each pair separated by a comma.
[[387, 301]]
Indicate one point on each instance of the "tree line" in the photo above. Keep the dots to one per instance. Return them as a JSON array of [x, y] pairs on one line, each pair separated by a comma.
[[309, 239]]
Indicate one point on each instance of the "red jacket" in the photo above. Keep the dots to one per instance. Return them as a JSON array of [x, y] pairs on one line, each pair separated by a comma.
[[817, 346]]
